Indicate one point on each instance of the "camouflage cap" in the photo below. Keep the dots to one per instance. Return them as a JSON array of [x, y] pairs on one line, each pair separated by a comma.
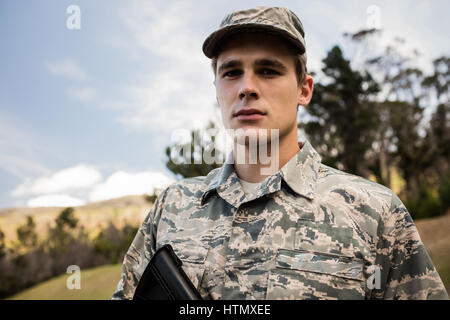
[[275, 20]]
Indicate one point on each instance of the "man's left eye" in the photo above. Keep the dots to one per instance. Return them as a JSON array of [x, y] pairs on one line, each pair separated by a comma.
[[269, 72]]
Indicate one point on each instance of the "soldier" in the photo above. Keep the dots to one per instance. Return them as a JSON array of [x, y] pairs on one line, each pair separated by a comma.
[[302, 230]]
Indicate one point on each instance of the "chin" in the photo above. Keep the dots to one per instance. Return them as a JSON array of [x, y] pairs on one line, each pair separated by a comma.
[[246, 133]]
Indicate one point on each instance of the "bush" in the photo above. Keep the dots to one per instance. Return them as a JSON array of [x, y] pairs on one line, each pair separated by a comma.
[[112, 243], [444, 193], [428, 205], [2, 244]]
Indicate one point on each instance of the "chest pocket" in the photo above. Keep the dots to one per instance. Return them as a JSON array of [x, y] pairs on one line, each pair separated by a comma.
[[321, 265], [193, 265], [312, 275]]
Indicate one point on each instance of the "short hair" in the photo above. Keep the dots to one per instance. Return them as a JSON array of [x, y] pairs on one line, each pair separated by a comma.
[[300, 67]]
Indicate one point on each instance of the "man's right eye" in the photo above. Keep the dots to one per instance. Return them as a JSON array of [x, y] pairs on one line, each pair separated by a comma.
[[231, 73]]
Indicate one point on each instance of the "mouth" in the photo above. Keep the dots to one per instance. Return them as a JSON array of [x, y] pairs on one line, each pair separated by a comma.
[[249, 114]]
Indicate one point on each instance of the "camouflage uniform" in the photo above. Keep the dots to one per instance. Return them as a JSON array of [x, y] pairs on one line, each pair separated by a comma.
[[309, 232]]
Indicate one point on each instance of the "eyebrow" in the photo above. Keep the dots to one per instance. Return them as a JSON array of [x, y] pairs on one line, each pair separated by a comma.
[[271, 63], [229, 64], [260, 63]]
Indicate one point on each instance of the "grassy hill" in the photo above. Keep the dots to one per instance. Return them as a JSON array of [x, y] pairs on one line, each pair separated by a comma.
[[435, 234], [96, 284]]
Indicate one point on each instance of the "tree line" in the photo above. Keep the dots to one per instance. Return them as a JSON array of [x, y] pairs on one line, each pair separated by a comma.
[[29, 261]]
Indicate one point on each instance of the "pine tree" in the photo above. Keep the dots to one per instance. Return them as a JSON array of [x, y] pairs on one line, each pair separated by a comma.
[[191, 163], [343, 118], [26, 233]]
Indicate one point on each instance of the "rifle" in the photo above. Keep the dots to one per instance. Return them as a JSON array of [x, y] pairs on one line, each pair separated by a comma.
[[164, 279]]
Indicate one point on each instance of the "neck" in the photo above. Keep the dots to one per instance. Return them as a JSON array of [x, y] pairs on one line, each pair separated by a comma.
[[257, 172]]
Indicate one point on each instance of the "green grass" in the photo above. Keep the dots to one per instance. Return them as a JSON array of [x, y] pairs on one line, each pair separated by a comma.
[[96, 284], [436, 238], [442, 264]]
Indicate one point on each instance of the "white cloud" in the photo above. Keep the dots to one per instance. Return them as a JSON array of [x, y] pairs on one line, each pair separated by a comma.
[[83, 94], [80, 184], [122, 183], [169, 102], [19, 150], [21, 167], [67, 68], [78, 177], [418, 22], [55, 200], [179, 87]]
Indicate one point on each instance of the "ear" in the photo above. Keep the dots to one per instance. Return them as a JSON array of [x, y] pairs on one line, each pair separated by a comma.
[[305, 91]]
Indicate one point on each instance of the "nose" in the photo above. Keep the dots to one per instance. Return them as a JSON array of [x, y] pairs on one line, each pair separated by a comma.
[[248, 88]]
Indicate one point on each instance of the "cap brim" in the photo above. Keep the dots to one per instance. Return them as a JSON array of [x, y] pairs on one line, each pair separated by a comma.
[[216, 39]]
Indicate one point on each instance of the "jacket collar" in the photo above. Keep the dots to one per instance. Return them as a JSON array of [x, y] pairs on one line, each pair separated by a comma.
[[300, 173]]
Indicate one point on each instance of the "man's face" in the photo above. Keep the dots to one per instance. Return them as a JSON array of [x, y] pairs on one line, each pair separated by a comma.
[[256, 84]]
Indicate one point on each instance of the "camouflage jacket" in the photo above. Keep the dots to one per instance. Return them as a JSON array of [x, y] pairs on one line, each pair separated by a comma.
[[309, 232]]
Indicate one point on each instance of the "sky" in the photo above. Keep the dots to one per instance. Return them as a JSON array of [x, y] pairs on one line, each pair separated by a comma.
[[87, 109]]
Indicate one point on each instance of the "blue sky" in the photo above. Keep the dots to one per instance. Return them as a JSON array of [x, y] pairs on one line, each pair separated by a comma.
[[86, 114]]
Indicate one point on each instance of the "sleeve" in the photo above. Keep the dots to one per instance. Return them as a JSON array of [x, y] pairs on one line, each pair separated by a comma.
[[140, 251], [407, 272]]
